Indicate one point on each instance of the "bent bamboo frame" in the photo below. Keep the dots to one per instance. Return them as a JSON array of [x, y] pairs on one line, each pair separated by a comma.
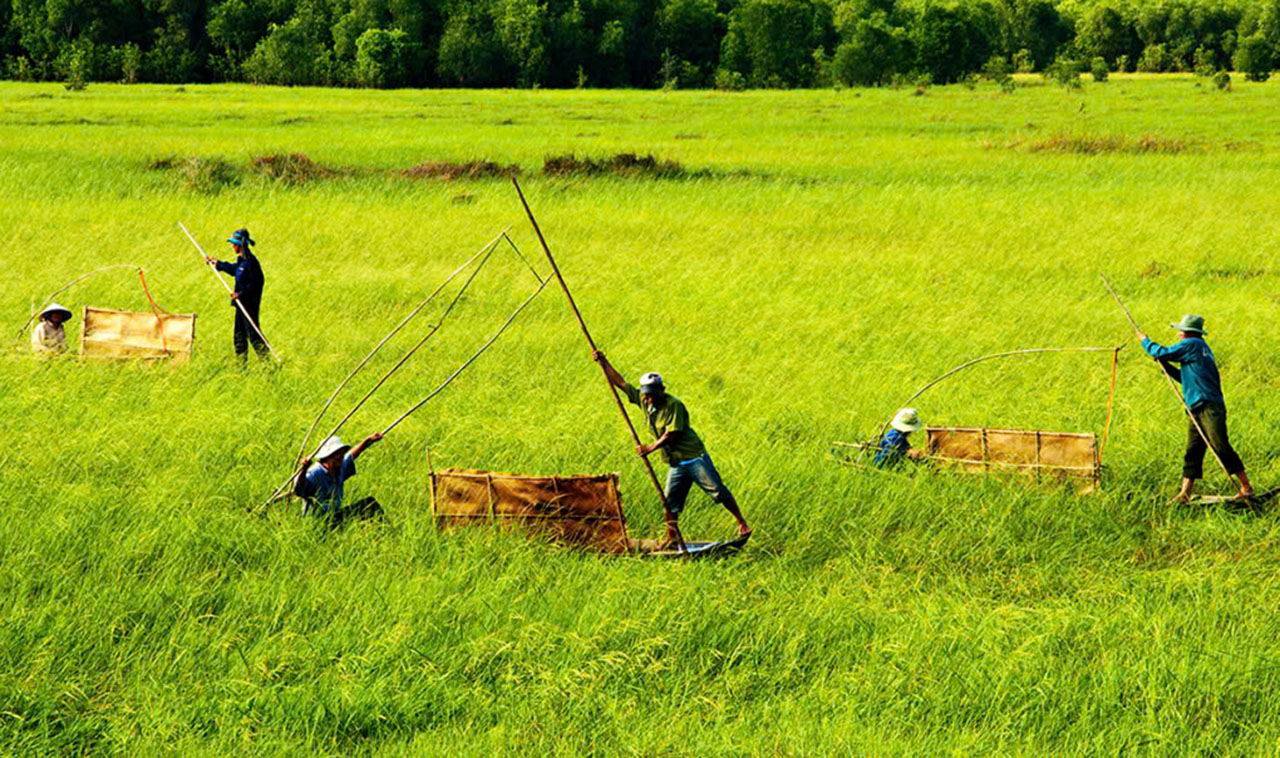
[[472, 359], [306, 439], [277, 492], [1008, 354], [49, 300]]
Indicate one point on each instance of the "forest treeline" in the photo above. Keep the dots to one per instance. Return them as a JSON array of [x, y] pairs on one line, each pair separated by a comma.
[[729, 44]]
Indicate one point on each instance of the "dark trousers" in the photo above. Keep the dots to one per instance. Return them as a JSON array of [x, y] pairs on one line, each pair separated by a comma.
[[245, 333], [365, 508], [1213, 420]]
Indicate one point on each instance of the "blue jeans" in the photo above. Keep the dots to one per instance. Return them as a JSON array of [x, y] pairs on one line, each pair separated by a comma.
[[685, 474]]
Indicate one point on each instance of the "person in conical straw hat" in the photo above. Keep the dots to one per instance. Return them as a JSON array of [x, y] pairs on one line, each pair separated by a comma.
[[49, 336], [681, 447], [321, 486], [1197, 371], [896, 445]]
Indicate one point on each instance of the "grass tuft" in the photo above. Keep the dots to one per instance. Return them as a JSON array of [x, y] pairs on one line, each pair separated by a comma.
[[627, 165], [448, 171], [1097, 144], [1153, 270], [290, 168], [1225, 274], [202, 175]]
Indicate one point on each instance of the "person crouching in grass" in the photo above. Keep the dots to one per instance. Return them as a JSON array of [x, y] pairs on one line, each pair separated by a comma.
[[1202, 390], [49, 336], [896, 445], [321, 485]]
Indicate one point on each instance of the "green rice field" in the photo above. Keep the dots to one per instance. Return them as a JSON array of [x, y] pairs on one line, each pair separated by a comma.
[[812, 260]]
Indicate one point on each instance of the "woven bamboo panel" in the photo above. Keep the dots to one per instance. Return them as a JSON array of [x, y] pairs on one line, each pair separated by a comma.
[[1056, 455], [585, 511], [106, 333]]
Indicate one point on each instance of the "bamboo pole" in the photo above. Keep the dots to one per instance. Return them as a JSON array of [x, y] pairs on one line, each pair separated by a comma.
[[1008, 354], [49, 300], [469, 361], [328, 403], [520, 255], [240, 305], [653, 477], [279, 492], [1172, 386]]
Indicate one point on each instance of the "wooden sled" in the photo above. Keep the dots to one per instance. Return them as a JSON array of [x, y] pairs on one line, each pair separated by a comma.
[[692, 551], [1235, 502]]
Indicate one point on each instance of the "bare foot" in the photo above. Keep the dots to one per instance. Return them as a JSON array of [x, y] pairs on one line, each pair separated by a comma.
[[744, 530], [1181, 498], [1245, 494]]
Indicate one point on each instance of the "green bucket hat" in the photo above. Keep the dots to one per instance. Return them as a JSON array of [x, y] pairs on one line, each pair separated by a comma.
[[1190, 323]]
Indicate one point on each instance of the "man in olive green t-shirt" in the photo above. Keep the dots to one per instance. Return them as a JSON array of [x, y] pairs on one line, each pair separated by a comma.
[[681, 447]]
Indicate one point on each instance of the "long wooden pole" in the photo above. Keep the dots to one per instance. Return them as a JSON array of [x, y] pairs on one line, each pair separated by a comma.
[[1172, 387], [252, 322], [653, 477]]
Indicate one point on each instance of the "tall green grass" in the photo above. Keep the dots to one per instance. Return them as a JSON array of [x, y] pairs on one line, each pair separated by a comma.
[[834, 251]]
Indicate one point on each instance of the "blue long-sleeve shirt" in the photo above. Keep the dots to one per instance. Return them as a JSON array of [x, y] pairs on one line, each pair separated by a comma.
[[1198, 374], [249, 279], [892, 448]]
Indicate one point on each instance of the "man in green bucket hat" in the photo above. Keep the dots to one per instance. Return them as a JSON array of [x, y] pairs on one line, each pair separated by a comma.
[[1202, 391]]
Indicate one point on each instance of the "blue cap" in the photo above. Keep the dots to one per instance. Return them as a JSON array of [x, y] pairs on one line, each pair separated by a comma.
[[241, 237]]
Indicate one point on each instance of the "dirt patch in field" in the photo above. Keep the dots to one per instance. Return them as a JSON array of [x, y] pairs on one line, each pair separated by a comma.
[[627, 165], [449, 172], [290, 168], [1098, 144]]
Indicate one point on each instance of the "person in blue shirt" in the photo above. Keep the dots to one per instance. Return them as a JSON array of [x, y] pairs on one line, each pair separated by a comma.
[[895, 445], [1202, 390], [321, 486], [248, 290]]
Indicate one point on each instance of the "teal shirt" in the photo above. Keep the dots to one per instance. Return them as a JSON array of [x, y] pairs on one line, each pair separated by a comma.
[[1198, 370]]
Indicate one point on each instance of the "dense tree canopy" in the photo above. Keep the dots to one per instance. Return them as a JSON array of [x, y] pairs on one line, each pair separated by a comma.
[[617, 43]]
